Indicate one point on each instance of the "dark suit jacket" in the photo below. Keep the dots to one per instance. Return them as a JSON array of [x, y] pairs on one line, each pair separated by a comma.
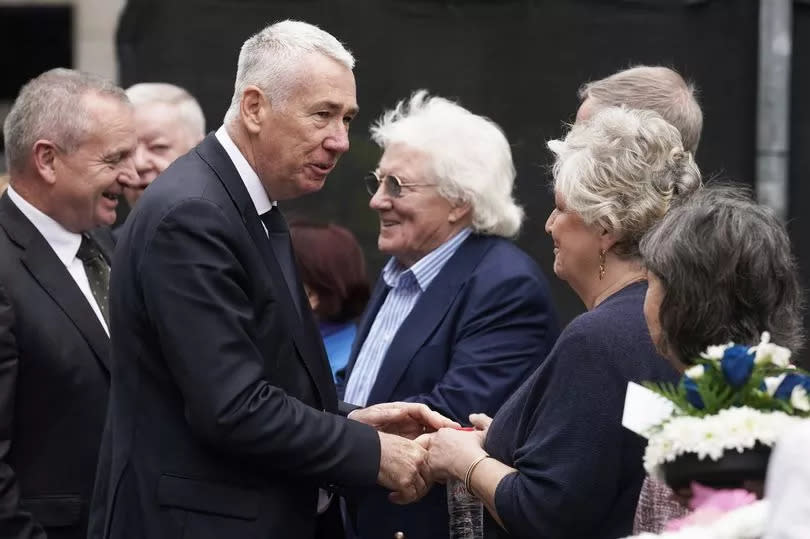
[[482, 326], [53, 387], [221, 420]]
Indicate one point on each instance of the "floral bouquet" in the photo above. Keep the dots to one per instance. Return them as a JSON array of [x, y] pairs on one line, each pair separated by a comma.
[[729, 410]]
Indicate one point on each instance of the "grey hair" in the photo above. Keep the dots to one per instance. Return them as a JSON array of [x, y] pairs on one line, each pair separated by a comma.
[[728, 273], [655, 88], [270, 59], [50, 107], [469, 155], [622, 169], [188, 109]]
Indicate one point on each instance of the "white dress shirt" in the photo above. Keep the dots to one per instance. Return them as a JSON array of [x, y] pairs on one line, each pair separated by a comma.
[[253, 184], [64, 243]]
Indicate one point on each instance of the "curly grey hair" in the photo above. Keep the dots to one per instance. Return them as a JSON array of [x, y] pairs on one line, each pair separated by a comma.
[[622, 169]]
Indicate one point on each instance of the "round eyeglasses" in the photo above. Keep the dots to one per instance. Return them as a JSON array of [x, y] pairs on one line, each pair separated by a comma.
[[391, 184]]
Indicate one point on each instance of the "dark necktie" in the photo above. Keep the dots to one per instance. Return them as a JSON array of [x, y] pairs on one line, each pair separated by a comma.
[[98, 274], [279, 235]]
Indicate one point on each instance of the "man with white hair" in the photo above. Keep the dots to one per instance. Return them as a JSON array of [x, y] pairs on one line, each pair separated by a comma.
[[460, 315], [69, 143], [169, 122], [223, 419]]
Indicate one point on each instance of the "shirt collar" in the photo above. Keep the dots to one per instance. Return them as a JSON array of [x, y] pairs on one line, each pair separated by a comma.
[[249, 177], [63, 242], [426, 268]]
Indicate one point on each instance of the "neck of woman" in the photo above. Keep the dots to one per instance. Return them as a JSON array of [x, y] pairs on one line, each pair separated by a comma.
[[619, 273]]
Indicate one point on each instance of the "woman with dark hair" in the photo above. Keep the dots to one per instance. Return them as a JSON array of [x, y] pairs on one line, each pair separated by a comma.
[[720, 269], [333, 271]]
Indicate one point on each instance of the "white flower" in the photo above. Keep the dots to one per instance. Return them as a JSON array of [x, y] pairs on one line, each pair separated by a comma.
[[799, 399], [737, 428], [715, 351], [772, 383], [696, 372], [772, 353]]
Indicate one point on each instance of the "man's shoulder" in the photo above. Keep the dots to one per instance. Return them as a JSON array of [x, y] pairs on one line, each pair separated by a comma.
[[501, 261]]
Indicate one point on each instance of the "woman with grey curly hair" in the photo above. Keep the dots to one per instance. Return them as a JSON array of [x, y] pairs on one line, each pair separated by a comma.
[[558, 442]]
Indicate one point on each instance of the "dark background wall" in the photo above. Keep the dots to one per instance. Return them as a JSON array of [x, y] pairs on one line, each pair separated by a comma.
[[519, 62]]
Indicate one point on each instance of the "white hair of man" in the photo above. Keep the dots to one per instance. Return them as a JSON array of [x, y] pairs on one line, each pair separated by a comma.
[[50, 107], [188, 109], [622, 169], [469, 155], [271, 60], [655, 88]]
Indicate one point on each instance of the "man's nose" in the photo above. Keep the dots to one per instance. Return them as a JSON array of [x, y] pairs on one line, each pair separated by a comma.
[[380, 199], [128, 177], [338, 140], [141, 159]]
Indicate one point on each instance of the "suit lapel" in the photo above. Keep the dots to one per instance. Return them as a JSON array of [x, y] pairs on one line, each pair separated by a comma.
[[53, 277], [427, 315], [305, 335]]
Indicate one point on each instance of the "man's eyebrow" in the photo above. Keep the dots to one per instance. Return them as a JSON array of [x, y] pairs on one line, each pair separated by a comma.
[[332, 105]]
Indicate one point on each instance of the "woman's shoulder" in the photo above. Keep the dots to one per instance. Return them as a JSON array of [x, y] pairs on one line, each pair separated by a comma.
[[616, 324]]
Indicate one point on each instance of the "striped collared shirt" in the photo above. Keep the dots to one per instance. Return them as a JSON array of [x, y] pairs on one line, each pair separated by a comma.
[[407, 286]]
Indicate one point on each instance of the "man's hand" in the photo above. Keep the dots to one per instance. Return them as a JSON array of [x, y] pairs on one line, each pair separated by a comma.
[[407, 419], [402, 468]]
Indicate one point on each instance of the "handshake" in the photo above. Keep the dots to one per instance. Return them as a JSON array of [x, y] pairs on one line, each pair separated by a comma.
[[410, 460]]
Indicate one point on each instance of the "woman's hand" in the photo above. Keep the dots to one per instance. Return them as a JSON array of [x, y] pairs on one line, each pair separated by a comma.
[[451, 451], [480, 421]]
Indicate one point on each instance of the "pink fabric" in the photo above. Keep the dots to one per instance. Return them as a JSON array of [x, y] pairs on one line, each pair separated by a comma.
[[709, 504]]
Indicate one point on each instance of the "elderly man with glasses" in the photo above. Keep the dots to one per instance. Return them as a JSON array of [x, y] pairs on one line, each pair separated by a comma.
[[460, 314]]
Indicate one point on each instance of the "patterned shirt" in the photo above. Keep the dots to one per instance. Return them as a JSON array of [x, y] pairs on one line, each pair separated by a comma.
[[406, 287]]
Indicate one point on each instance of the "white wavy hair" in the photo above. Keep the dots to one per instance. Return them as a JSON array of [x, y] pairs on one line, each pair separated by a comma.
[[271, 58], [187, 108], [622, 169], [469, 155]]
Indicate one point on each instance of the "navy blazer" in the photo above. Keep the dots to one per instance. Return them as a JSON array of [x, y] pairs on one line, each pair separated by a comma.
[[221, 419], [483, 325]]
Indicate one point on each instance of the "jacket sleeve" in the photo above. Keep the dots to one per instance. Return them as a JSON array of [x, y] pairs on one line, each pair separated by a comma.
[[506, 329], [570, 460], [201, 300], [14, 522]]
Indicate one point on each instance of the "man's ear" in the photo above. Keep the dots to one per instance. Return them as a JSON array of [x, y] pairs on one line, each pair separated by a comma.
[[253, 107], [45, 160], [458, 212]]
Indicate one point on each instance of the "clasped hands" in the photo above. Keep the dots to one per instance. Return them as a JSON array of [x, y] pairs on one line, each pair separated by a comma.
[[419, 446]]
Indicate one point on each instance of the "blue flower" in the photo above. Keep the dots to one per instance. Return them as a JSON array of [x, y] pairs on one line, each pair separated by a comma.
[[692, 393], [737, 365], [790, 381]]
